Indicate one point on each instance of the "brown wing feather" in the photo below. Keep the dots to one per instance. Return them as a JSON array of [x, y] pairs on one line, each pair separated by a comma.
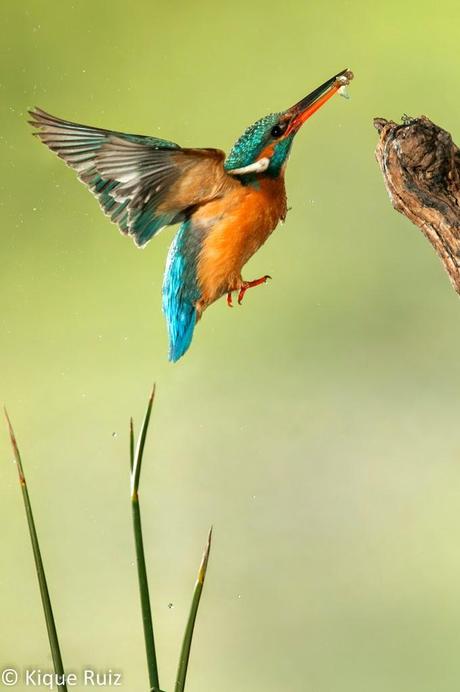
[[143, 183]]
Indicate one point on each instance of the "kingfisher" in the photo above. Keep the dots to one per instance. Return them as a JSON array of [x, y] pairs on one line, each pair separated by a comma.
[[227, 206]]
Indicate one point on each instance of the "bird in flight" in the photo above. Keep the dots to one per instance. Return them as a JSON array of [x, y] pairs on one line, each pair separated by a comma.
[[227, 205]]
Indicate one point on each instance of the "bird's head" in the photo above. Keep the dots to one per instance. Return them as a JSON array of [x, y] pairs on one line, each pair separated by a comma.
[[264, 147]]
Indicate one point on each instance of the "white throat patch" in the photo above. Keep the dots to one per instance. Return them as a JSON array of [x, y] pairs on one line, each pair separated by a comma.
[[257, 167]]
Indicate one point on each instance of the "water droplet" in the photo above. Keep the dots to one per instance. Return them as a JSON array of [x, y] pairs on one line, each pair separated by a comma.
[[170, 605], [114, 434]]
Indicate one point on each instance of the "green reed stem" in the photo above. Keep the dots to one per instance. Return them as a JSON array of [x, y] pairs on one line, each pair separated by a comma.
[[188, 635], [136, 456], [44, 592]]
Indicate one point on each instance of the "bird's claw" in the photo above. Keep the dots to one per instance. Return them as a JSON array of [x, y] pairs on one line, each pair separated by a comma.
[[244, 287], [250, 284]]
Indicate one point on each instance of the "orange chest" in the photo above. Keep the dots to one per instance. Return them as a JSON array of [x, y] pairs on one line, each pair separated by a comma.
[[256, 216], [241, 222], [243, 218]]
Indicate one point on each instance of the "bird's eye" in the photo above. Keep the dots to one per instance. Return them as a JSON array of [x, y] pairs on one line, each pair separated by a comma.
[[277, 131]]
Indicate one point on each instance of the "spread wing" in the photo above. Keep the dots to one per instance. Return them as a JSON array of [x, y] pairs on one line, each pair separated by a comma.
[[142, 183]]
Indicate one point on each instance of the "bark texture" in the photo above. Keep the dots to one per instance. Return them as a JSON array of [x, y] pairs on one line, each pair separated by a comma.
[[421, 168]]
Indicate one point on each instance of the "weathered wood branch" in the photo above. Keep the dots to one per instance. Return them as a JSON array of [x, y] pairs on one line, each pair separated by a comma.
[[421, 168]]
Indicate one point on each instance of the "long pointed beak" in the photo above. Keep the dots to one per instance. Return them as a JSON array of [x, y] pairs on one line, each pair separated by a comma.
[[305, 108]]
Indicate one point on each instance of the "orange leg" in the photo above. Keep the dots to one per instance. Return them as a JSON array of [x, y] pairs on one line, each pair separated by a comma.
[[250, 284]]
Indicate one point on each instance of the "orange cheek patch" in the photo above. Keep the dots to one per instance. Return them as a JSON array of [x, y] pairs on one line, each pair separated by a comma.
[[267, 153]]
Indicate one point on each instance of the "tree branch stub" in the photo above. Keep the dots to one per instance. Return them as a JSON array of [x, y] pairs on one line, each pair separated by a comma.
[[421, 168]]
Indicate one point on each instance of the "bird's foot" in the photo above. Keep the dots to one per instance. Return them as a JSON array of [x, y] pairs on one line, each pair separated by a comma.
[[229, 299], [250, 284]]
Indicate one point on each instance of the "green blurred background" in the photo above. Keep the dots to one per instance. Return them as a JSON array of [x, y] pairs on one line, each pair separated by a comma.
[[316, 427]]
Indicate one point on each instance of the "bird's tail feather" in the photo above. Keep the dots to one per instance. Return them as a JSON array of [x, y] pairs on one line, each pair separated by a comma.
[[179, 297], [181, 330]]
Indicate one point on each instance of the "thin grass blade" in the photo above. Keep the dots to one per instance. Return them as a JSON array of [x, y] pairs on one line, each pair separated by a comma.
[[188, 636], [135, 465], [131, 444], [139, 453], [44, 592]]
